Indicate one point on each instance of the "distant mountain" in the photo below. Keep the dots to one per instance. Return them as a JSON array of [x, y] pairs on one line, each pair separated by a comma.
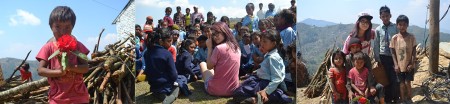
[[314, 41], [9, 64], [318, 23]]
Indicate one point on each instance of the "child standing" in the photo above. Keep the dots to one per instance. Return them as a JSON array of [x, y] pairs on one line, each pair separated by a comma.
[[178, 17], [382, 53], [25, 73], [66, 86], [187, 19], [338, 79], [250, 20], [167, 17], [403, 53], [265, 86]]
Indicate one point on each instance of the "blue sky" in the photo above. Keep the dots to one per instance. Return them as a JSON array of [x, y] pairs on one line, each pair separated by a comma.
[[24, 24], [345, 11], [230, 8]]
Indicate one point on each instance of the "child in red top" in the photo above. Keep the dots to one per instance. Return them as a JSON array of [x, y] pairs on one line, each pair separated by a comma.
[[66, 86], [25, 73], [359, 76], [338, 78]]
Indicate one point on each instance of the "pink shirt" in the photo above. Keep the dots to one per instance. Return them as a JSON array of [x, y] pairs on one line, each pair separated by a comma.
[[69, 88], [226, 71], [359, 79]]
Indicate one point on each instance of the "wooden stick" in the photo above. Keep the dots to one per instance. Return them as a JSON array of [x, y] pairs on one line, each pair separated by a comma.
[[24, 88], [98, 41], [105, 81], [18, 67]]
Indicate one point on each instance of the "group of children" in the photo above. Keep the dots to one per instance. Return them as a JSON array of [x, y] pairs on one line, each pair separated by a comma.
[[170, 54], [351, 76]]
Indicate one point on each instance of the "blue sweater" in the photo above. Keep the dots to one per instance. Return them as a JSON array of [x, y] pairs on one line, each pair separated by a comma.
[[160, 70], [184, 63]]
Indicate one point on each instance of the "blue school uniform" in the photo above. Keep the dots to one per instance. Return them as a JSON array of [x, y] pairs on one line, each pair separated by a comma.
[[160, 71], [185, 66], [201, 54], [269, 78], [251, 22], [288, 36]]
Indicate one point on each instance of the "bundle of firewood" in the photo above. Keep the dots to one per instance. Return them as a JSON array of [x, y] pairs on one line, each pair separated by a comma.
[[111, 76], [318, 84]]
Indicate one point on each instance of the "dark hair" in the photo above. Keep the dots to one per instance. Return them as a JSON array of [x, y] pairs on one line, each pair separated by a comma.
[[166, 34], [244, 28], [385, 9], [185, 45], [137, 26], [228, 36], [266, 23], [205, 26], [202, 38], [402, 18], [367, 34], [237, 24], [271, 4], [340, 53], [250, 5], [256, 33], [260, 3], [358, 56], [62, 13], [191, 37], [26, 66], [152, 38], [178, 7], [209, 13], [272, 35], [225, 19], [288, 16], [188, 9], [168, 8]]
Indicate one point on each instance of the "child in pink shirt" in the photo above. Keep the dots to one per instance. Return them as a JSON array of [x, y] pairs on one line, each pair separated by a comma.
[[66, 86]]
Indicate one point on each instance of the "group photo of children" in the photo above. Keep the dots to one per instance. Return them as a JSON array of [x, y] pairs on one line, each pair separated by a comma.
[[373, 58], [186, 53]]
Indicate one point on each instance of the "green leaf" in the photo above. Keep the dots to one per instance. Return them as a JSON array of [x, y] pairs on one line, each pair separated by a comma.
[[54, 54], [80, 55], [64, 60]]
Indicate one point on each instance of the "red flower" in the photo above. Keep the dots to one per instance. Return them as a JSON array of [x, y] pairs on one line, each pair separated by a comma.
[[67, 43], [362, 100]]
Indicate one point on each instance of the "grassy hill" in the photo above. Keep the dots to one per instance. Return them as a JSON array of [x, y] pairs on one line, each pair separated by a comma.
[[314, 41], [9, 64]]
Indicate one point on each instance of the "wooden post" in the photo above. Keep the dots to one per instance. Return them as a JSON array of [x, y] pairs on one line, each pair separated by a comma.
[[433, 52]]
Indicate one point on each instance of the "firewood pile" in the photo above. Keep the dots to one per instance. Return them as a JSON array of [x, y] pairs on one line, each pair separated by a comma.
[[110, 78]]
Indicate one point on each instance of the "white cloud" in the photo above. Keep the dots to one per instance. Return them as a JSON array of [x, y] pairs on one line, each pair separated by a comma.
[[24, 18], [105, 40], [221, 11]]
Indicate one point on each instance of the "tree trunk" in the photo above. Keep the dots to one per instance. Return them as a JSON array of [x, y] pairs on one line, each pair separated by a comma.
[[27, 87]]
